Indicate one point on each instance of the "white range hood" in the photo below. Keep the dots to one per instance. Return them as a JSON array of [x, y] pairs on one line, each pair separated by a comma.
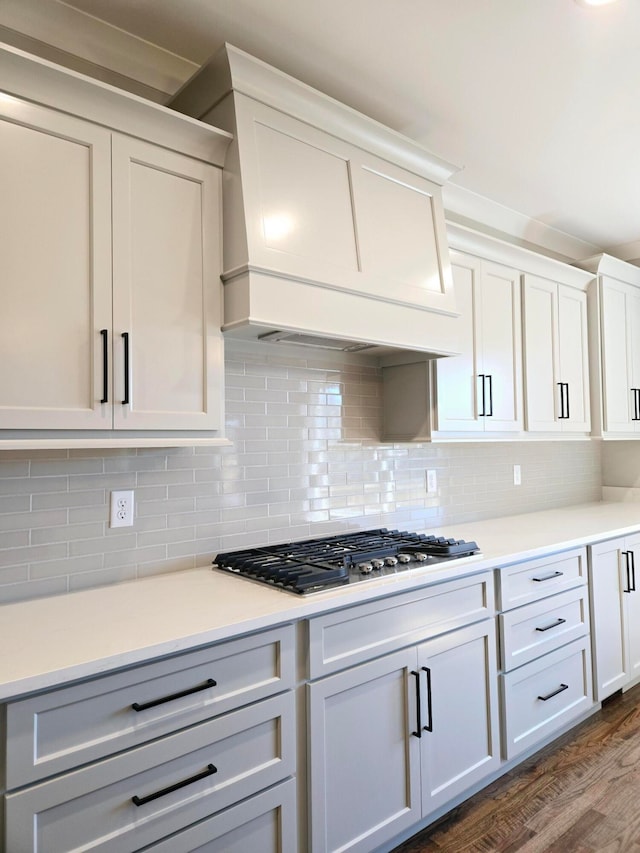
[[334, 231]]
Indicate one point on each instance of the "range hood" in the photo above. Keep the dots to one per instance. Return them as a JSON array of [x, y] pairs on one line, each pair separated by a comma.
[[334, 231]]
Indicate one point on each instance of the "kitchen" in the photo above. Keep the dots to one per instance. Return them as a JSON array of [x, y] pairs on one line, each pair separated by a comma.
[[305, 459]]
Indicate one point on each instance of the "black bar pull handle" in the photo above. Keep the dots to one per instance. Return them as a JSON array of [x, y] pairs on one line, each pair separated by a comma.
[[562, 415], [482, 414], [636, 404], [554, 693], [146, 705], [559, 621], [631, 560], [490, 378], [567, 413], [627, 555], [418, 732], [105, 365], [429, 726], [550, 577], [140, 801], [125, 338]]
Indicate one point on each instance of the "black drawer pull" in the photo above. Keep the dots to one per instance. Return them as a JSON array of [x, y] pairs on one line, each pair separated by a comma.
[[559, 621], [548, 577], [555, 692], [140, 801], [208, 683], [125, 338], [418, 731]]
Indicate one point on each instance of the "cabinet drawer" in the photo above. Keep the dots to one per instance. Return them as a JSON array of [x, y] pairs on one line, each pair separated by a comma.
[[357, 634], [542, 626], [545, 695], [65, 728], [265, 823], [93, 808], [524, 582]]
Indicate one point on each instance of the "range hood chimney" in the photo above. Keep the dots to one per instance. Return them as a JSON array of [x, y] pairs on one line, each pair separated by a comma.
[[334, 231]]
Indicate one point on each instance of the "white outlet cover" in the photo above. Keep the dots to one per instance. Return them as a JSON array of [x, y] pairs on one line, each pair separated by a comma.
[[121, 513]]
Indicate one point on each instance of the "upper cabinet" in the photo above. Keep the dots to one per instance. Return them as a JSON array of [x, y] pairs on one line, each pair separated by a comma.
[[523, 367], [556, 356], [324, 207], [481, 390], [111, 246], [614, 337]]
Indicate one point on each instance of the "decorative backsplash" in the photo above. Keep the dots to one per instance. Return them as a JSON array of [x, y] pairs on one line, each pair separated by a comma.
[[306, 460]]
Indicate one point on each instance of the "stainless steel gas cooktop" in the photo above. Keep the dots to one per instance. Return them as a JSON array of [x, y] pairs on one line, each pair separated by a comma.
[[313, 565]]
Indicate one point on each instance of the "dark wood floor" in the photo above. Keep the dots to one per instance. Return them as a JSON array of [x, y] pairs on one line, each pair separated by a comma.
[[579, 795]]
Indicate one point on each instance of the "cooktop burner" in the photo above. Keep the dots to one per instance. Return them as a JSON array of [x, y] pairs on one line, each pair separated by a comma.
[[317, 564]]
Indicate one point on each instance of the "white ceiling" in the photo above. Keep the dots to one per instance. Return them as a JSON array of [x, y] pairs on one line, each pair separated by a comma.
[[536, 100]]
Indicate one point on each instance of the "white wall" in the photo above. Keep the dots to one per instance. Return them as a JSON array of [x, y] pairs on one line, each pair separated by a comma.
[[306, 460]]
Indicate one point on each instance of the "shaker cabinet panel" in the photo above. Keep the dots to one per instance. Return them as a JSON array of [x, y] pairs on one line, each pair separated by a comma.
[[620, 328], [555, 357], [55, 244], [166, 293], [481, 391]]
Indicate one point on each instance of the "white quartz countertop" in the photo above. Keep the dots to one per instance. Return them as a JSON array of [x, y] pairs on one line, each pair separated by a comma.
[[49, 641]]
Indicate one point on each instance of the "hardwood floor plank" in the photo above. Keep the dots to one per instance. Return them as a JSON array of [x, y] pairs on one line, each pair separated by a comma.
[[579, 795]]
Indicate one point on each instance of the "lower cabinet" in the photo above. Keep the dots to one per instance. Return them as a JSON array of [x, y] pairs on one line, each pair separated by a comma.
[[615, 605], [393, 739], [181, 768]]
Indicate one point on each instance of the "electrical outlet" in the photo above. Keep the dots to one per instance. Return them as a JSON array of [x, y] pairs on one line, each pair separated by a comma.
[[121, 509], [517, 475], [432, 482]]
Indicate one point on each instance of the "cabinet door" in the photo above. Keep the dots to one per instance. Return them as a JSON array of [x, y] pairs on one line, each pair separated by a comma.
[[55, 245], [616, 356], [573, 357], [541, 347], [461, 740], [501, 347], [607, 619], [166, 289], [364, 761], [457, 377], [631, 593]]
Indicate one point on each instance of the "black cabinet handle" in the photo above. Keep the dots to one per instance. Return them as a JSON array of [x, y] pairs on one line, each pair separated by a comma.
[[636, 404], [125, 338], [140, 801], [562, 415], [483, 413], [105, 365], [429, 726], [146, 705], [567, 413], [418, 732], [555, 693], [490, 378], [548, 577], [631, 571], [559, 621]]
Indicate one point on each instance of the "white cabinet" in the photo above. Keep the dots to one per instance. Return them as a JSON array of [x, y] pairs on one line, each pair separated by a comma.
[[395, 738], [555, 357], [615, 607], [481, 390], [110, 328], [130, 758], [544, 648]]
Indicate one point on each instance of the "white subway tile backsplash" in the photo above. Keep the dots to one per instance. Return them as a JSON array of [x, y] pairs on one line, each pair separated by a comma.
[[306, 460]]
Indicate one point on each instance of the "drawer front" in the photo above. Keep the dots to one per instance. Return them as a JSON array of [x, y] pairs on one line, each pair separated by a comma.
[[535, 579], [56, 731], [540, 627], [357, 634], [93, 808], [545, 695], [265, 823]]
